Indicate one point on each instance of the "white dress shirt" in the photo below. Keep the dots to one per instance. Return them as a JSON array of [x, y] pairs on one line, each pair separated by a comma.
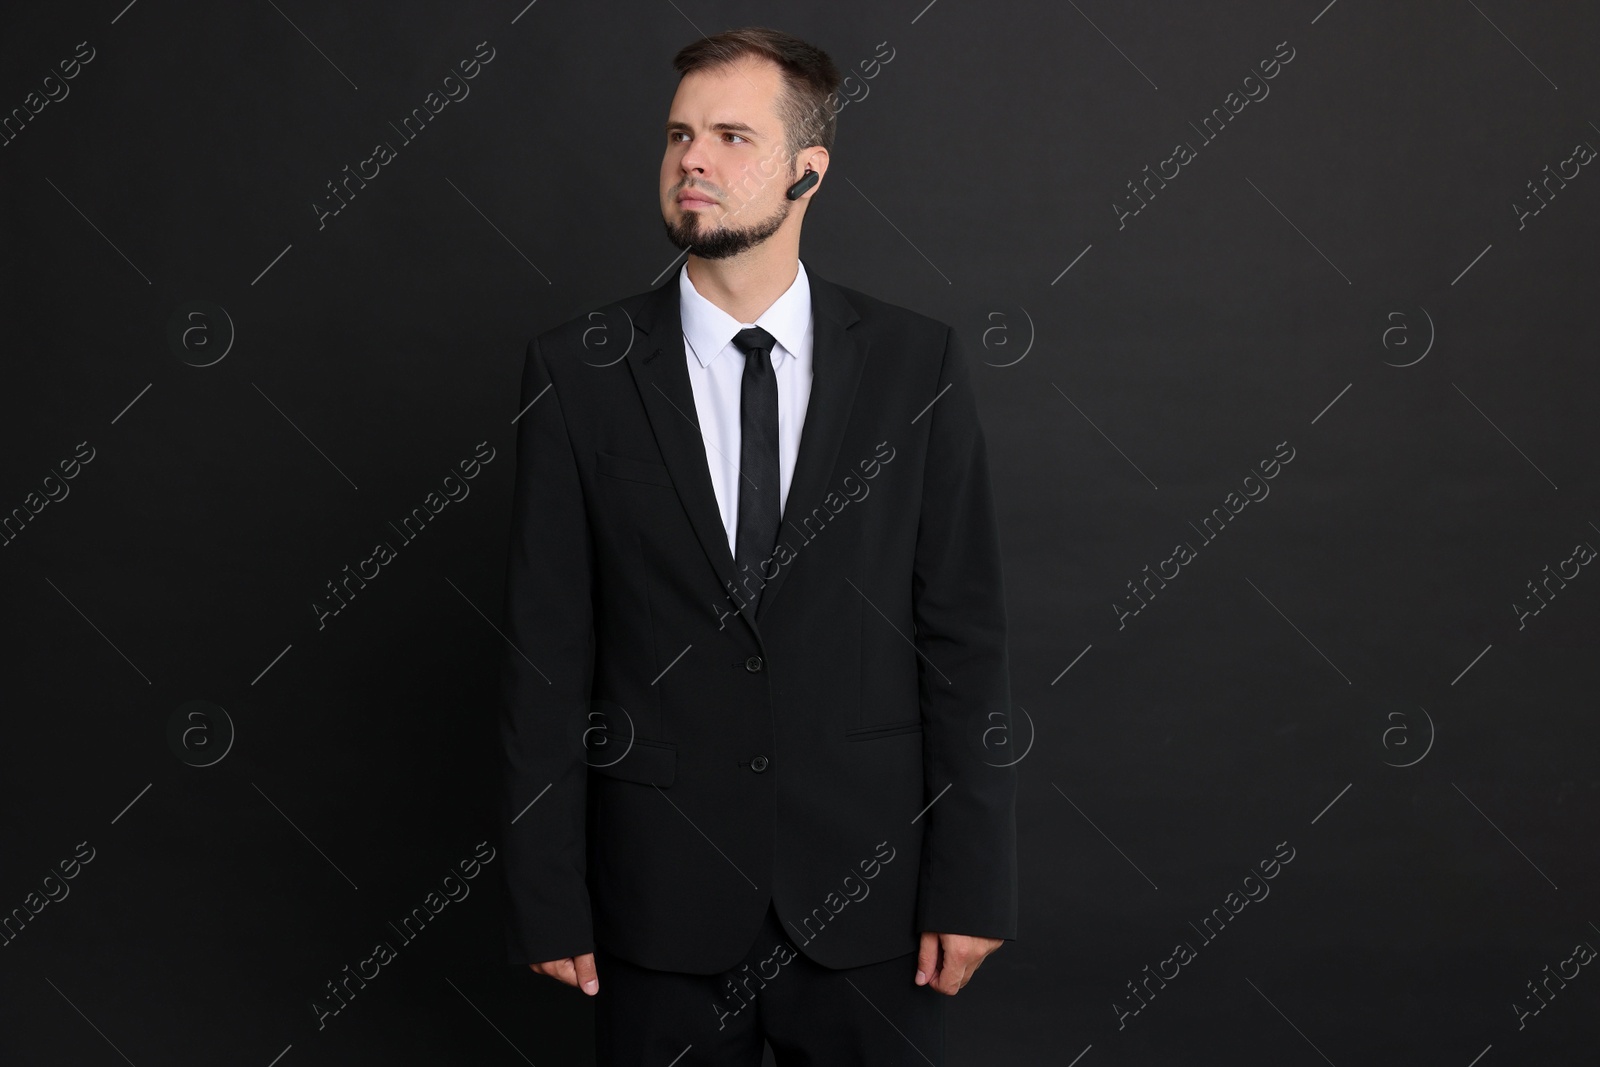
[[716, 370]]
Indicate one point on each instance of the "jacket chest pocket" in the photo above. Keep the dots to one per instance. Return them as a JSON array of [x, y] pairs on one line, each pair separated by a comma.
[[639, 503], [627, 469]]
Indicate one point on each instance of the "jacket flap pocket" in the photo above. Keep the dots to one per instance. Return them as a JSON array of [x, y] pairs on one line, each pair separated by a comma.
[[633, 470], [888, 729], [634, 759]]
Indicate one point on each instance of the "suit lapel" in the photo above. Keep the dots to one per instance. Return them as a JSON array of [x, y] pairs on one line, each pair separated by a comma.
[[662, 377]]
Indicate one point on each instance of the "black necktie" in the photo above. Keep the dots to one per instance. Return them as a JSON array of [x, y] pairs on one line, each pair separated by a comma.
[[757, 532]]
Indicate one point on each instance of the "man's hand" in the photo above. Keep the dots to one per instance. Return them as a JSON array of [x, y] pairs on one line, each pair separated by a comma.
[[948, 961], [577, 972]]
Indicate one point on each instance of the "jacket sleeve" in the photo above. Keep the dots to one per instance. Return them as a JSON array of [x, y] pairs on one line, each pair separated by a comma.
[[545, 685], [968, 877]]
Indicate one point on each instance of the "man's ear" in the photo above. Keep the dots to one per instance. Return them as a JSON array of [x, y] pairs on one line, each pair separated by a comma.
[[815, 159]]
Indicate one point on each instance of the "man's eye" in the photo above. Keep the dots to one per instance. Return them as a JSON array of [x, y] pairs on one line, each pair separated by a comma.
[[677, 134]]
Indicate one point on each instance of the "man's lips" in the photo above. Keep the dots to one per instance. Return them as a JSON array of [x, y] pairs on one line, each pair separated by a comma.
[[694, 200]]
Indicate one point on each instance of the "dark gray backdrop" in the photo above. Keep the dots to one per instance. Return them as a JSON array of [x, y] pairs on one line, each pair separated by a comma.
[[1339, 272]]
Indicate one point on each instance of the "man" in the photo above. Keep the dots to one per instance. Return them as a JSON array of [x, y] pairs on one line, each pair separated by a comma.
[[754, 597]]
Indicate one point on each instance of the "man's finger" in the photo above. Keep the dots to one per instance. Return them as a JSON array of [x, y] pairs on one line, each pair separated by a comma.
[[588, 979], [927, 958], [952, 976], [969, 967], [561, 970]]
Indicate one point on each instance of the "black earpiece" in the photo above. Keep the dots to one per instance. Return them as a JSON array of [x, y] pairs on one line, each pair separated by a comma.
[[802, 185]]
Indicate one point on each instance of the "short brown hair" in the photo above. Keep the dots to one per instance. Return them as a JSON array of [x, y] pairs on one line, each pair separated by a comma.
[[807, 104]]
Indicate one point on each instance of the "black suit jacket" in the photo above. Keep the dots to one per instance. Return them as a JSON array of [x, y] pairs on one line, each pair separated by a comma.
[[674, 759]]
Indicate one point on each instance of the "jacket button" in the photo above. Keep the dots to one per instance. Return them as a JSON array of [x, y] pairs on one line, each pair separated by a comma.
[[758, 764], [753, 664]]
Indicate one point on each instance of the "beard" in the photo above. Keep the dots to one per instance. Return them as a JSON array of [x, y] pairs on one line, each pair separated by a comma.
[[720, 241]]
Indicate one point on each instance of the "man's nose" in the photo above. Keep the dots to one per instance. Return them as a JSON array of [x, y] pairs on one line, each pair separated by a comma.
[[693, 161]]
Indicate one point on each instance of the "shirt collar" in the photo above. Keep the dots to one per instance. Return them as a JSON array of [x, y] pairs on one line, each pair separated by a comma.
[[708, 329]]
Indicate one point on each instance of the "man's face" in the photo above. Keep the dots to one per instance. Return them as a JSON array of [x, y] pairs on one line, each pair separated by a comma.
[[725, 152]]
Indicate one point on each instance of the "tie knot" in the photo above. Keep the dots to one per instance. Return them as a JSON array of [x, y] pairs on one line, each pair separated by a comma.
[[754, 339]]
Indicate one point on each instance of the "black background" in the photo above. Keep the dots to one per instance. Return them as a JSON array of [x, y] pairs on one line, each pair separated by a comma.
[[1359, 617]]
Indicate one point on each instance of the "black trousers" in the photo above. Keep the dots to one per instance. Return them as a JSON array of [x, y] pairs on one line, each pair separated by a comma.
[[812, 1016]]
